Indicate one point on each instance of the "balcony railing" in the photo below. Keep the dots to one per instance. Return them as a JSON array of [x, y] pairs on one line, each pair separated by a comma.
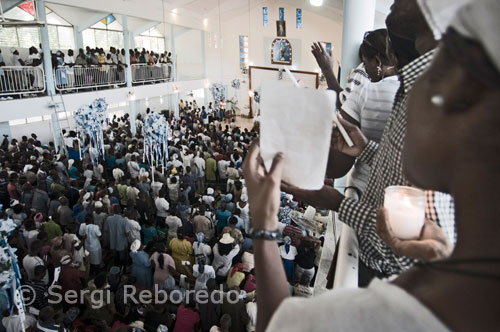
[[142, 73], [21, 80], [78, 77]]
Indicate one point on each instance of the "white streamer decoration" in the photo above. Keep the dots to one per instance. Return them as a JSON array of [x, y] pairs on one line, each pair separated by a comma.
[[218, 93], [90, 120], [235, 84], [155, 132]]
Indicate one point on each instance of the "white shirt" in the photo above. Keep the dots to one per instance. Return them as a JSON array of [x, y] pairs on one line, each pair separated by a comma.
[[200, 163], [222, 264], [133, 168], [290, 255], [208, 199], [202, 278], [173, 222], [222, 167], [370, 104], [117, 174], [135, 230], [202, 249], [162, 207], [69, 59], [380, 307]]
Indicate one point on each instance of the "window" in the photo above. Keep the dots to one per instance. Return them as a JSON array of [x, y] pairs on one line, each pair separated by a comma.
[[34, 119], [104, 34], [243, 52], [282, 14], [17, 122], [60, 31], [299, 18], [199, 93], [265, 19], [61, 35], [151, 39]]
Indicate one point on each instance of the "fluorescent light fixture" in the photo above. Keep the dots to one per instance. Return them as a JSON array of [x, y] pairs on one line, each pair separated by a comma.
[[316, 3]]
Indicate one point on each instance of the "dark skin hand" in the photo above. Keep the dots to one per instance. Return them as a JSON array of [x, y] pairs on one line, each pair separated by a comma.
[[328, 197], [325, 62]]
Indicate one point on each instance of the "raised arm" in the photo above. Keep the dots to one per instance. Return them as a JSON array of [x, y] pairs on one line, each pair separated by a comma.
[[264, 197]]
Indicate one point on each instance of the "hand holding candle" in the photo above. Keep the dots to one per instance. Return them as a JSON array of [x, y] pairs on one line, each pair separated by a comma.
[[405, 208]]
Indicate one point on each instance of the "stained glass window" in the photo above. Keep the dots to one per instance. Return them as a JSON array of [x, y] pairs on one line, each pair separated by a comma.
[[265, 19], [243, 52], [299, 18], [282, 14]]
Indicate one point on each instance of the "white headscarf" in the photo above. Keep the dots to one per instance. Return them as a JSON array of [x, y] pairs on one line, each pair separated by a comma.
[[135, 246], [480, 21], [439, 13]]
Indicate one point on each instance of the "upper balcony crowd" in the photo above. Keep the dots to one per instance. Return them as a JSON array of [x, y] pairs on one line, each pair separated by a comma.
[[92, 68]]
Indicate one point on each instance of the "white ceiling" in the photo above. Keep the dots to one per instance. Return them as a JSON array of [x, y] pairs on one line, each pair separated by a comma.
[[188, 13]]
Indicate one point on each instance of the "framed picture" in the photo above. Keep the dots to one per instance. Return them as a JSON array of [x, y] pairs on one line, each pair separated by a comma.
[[281, 28], [327, 47], [281, 52]]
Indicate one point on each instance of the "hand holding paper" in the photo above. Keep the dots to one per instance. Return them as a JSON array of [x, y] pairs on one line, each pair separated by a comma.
[[298, 123], [357, 138]]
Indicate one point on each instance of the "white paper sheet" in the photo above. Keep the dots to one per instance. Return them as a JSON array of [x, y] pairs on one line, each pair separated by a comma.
[[297, 122]]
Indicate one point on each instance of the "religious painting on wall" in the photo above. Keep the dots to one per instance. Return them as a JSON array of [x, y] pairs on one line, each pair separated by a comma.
[[281, 28], [281, 52]]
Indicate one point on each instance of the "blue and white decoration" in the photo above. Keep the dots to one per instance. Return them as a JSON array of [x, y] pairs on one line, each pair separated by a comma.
[[218, 93], [90, 120], [10, 275], [155, 132], [235, 84]]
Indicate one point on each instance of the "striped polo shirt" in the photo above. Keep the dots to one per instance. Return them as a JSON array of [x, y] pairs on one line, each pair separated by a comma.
[[370, 104]]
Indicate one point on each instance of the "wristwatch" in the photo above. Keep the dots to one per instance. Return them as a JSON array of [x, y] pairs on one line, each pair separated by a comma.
[[263, 234]]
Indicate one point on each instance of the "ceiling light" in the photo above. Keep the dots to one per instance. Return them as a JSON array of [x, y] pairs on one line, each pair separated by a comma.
[[205, 21], [174, 10], [316, 3]]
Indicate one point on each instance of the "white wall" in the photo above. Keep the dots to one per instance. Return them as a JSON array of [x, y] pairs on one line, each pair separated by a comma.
[[189, 53], [314, 28]]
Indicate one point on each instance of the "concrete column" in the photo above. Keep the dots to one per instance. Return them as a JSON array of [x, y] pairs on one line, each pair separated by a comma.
[[133, 108], [44, 38], [203, 54], [359, 17], [174, 58], [176, 105], [126, 46], [78, 38], [5, 130], [206, 92]]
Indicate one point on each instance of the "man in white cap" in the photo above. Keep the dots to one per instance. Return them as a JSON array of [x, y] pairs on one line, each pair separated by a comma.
[[209, 199]]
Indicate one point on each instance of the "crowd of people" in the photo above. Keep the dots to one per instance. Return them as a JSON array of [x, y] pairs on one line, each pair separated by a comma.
[[421, 110], [74, 70], [113, 224]]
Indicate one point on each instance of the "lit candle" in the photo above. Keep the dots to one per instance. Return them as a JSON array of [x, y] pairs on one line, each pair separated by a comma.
[[405, 211]]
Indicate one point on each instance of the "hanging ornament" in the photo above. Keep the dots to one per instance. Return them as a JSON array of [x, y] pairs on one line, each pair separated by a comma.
[[90, 120], [155, 131], [218, 93]]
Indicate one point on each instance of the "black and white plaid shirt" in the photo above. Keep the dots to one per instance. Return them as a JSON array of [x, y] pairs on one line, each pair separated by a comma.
[[385, 159]]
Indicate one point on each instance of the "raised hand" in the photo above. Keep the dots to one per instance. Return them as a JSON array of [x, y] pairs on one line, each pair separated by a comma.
[[263, 188], [325, 61]]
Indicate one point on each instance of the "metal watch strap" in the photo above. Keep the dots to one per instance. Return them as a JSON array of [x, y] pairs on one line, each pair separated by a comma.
[[263, 234]]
